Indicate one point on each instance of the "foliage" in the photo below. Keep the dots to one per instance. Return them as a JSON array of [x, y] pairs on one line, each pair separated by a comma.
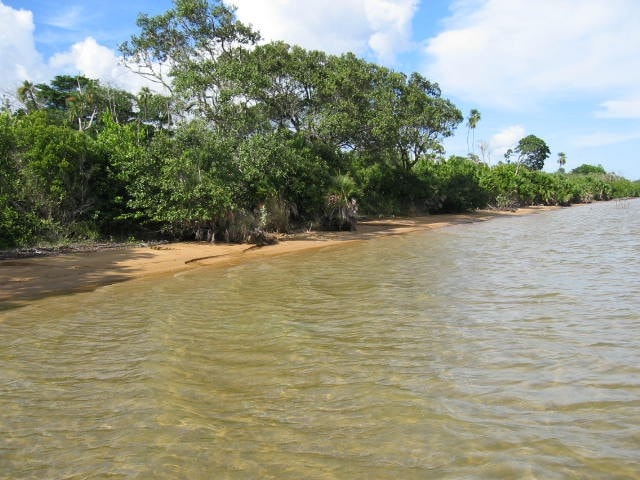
[[77, 101], [341, 207], [532, 152], [187, 181], [562, 160], [59, 173], [187, 49], [586, 169], [282, 165], [472, 123], [389, 189], [15, 227], [457, 185]]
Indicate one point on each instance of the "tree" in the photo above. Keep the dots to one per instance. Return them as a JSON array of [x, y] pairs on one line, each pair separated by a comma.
[[59, 173], [532, 152], [13, 221], [153, 109], [28, 95], [586, 169], [281, 166], [424, 119], [275, 86], [458, 184], [77, 101], [472, 123], [389, 114], [485, 151], [342, 102], [180, 182], [187, 50], [562, 160]]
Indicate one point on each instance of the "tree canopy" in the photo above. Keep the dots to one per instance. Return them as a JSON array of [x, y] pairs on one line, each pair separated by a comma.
[[532, 152]]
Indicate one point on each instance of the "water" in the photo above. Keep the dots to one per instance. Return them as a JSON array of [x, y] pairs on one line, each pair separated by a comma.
[[506, 349]]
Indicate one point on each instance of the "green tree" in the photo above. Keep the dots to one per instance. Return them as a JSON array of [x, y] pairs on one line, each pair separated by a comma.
[[177, 182], [562, 160], [458, 185], [586, 169], [14, 221], [532, 152], [126, 147], [187, 50], [28, 95], [153, 109], [282, 83], [59, 171], [281, 165], [423, 120], [385, 114], [77, 101], [472, 123]]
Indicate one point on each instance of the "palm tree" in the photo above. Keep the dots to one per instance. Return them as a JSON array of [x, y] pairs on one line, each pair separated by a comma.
[[27, 95], [472, 123], [562, 159]]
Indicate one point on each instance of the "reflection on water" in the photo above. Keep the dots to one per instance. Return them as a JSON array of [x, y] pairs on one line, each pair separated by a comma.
[[508, 349]]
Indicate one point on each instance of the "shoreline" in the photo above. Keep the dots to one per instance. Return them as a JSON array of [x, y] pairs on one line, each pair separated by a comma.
[[25, 280]]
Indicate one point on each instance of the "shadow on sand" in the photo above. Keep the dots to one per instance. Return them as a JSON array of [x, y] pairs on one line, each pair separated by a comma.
[[26, 279]]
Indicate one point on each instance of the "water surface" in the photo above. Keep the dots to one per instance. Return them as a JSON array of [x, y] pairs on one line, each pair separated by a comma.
[[505, 349]]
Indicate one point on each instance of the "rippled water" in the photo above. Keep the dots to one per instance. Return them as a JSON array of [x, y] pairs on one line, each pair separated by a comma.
[[507, 349]]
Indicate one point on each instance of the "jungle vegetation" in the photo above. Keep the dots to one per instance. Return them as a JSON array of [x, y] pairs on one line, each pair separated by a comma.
[[248, 137]]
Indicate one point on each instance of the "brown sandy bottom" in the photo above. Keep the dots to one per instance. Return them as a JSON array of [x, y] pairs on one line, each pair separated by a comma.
[[25, 279]]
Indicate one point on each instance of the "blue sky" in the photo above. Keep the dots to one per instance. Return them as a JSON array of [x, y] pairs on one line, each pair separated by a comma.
[[567, 71]]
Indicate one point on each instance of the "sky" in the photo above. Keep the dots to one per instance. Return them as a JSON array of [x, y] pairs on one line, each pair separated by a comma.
[[567, 71]]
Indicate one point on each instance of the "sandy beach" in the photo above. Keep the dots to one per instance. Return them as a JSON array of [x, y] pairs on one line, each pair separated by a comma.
[[25, 279]]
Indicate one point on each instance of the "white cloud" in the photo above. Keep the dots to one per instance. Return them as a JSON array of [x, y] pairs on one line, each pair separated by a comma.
[[67, 18], [505, 139], [380, 27], [93, 60], [390, 22], [514, 53], [19, 60], [601, 139], [625, 108]]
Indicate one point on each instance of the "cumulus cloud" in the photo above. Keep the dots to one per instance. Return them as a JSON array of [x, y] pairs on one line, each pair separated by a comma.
[[93, 60], [515, 53], [505, 139], [390, 23], [19, 60], [378, 27]]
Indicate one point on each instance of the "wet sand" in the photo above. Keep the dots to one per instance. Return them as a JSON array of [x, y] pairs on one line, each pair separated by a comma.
[[25, 279]]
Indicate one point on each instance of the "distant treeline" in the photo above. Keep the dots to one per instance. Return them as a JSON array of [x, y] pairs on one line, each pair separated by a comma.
[[248, 138]]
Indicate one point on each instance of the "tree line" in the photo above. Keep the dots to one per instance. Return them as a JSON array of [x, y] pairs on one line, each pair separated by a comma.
[[249, 137]]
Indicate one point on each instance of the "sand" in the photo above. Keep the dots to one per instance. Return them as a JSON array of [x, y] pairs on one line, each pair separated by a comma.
[[26, 279]]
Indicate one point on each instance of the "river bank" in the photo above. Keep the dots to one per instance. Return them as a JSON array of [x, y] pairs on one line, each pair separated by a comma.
[[27, 279]]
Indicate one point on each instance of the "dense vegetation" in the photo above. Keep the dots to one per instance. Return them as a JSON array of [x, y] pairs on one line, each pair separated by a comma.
[[249, 137]]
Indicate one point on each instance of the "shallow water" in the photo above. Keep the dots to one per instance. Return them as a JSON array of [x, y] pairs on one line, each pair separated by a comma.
[[505, 349]]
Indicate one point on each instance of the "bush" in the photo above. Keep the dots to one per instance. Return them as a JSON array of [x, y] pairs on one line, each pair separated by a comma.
[[16, 229], [392, 190], [280, 165], [458, 185]]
